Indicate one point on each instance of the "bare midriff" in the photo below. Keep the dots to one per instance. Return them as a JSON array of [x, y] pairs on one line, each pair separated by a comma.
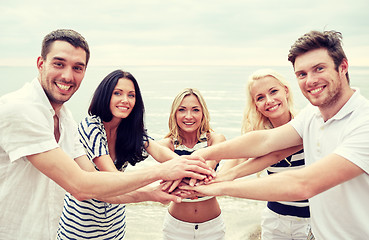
[[195, 212]]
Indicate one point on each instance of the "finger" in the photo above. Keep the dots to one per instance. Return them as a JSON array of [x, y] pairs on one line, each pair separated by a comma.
[[166, 185], [174, 185], [198, 183], [193, 182], [194, 174], [199, 167], [171, 198]]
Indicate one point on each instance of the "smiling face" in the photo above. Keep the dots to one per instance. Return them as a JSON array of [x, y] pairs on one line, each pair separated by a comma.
[[270, 98], [123, 99], [189, 114], [318, 78], [61, 73]]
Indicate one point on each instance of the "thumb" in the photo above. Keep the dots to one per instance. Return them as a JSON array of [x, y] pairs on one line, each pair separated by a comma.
[[177, 199]]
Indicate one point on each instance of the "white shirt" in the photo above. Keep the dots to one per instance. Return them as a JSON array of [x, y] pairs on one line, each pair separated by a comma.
[[341, 212], [31, 203]]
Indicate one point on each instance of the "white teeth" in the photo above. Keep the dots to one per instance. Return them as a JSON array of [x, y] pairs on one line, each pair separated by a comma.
[[63, 87], [316, 90], [189, 123], [273, 108]]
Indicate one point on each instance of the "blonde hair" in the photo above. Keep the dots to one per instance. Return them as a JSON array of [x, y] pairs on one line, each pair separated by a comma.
[[252, 118], [174, 131]]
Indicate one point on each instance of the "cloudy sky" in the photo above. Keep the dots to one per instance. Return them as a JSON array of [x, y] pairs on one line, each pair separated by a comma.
[[186, 32]]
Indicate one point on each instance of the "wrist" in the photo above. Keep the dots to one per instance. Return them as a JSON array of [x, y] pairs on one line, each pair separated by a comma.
[[157, 172]]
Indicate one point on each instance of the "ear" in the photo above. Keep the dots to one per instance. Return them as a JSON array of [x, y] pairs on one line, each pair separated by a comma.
[[287, 91], [40, 63], [343, 68]]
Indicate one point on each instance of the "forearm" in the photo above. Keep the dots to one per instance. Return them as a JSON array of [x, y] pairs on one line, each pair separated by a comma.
[[277, 187], [251, 144], [254, 165], [84, 184], [139, 195], [159, 152], [110, 184], [59, 167]]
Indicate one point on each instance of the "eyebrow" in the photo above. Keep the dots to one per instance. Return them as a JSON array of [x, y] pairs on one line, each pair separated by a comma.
[[312, 67], [119, 89], [64, 60]]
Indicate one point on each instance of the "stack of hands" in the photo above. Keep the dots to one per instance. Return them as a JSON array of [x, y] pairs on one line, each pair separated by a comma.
[[187, 187]]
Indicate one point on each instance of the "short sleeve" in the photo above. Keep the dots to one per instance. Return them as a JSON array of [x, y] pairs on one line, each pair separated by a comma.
[[299, 120], [26, 130], [93, 137]]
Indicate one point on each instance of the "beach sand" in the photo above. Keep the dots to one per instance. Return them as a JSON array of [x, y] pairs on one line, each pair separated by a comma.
[[241, 217]]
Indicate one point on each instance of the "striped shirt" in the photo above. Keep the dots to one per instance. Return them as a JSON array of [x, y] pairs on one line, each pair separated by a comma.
[[92, 219], [296, 208], [184, 150]]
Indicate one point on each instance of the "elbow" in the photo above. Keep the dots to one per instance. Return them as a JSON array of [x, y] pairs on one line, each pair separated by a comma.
[[304, 191], [78, 189], [80, 196]]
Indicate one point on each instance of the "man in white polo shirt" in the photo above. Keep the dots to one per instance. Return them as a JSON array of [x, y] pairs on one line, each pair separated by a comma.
[[334, 132], [39, 150]]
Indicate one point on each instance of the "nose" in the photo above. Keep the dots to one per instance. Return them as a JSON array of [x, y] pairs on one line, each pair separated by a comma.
[[269, 99], [124, 98], [188, 114], [67, 74], [311, 80]]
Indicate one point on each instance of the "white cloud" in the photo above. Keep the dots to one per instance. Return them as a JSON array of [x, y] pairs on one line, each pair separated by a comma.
[[182, 32]]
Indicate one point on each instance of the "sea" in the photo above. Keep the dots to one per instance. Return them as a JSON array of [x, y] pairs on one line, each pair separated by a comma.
[[223, 88]]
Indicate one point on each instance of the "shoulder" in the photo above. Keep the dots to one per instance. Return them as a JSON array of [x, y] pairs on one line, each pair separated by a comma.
[[214, 138], [90, 124], [167, 142]]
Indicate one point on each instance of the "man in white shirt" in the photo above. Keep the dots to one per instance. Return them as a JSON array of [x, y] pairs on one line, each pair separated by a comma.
[[334, 133], [39, 150]]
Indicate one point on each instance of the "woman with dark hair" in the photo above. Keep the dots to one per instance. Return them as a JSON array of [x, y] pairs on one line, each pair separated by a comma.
[[130, 130], [113, 135]]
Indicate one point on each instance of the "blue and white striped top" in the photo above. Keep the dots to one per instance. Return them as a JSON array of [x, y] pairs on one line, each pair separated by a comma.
[[297, 208], [92, 219]]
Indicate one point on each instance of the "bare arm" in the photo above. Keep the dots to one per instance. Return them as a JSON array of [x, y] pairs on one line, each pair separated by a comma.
[[85, 185], [146, 193], [231, 163], [159, 152], [214, 138], [254, 165], [253, 144], [289, 185]]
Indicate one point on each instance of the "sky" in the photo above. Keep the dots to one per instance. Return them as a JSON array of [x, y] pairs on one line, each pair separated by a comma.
[[186, 32]]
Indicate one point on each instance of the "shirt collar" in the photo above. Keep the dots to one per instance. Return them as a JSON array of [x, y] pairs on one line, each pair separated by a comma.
[[349, 106], [42, 95]]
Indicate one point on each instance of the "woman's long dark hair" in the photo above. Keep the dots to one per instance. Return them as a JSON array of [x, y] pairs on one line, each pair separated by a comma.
[[131, 132]]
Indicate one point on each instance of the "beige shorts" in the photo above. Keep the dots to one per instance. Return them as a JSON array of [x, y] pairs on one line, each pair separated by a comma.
[[175, 229], [279, 227]]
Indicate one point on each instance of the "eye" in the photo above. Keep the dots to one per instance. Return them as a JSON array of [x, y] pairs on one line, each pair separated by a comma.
[[180, 109], [301, 75], [260, 98], [319, 69], [131, 95], [117, 93], [274, 91], [196, 110], [78, 69], [58, 64]]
